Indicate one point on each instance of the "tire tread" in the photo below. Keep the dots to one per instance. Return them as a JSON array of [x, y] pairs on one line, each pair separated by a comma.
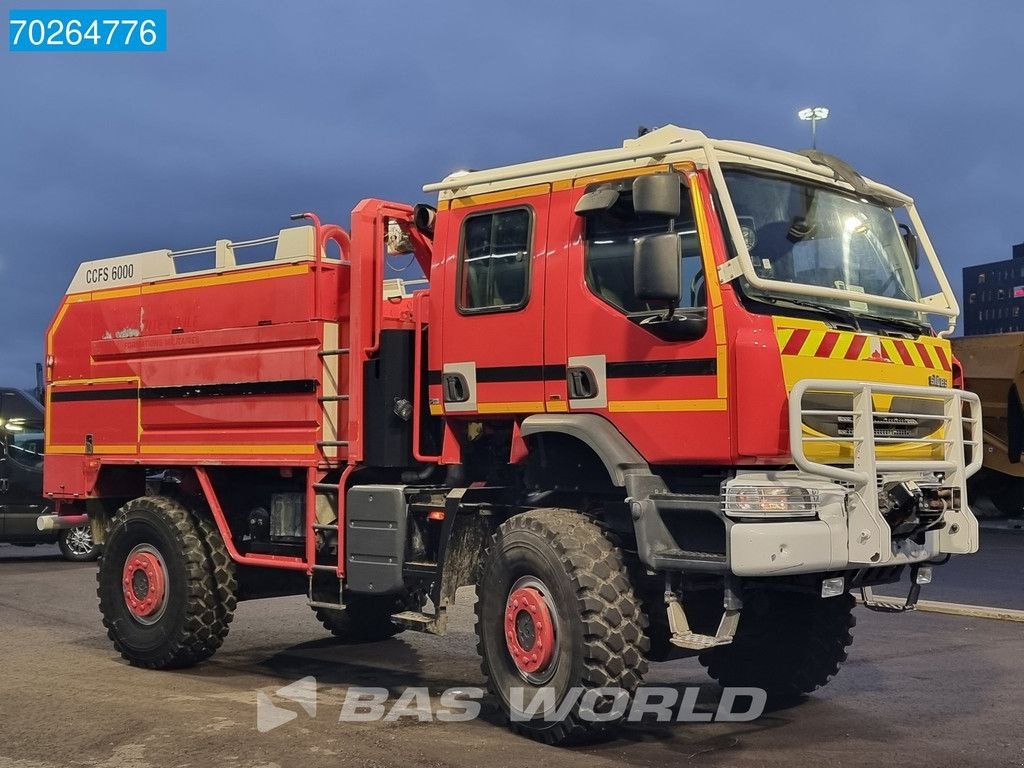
[[615, 640], [210, 590]]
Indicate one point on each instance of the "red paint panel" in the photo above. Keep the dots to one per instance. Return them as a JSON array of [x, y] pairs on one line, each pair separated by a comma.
[[904, 353], [943, 360], [108, 422], [922, 350], [761, 400], [856, 346], [796, 342], [828, 343]]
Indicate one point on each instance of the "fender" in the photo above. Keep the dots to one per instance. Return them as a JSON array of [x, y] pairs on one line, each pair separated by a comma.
[[656, 546], [626, 467]]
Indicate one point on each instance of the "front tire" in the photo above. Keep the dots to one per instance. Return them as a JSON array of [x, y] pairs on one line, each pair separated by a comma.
[[787, 643], [556, 613], [165, 585]]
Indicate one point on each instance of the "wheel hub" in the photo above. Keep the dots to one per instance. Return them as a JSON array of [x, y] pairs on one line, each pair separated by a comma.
[[529, 630], [144, 582]]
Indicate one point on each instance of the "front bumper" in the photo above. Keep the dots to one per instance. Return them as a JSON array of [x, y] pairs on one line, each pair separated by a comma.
[[849, 529], [776, 548]]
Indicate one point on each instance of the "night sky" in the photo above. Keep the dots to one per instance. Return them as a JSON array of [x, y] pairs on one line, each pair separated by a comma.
[[259, 109]]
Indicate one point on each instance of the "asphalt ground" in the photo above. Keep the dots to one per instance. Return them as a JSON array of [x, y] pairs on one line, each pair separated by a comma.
[[919, 689]]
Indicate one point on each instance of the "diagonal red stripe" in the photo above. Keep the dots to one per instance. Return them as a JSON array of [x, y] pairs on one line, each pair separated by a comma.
[[904, 353], [855, 347], [925, 357], [828, 343], [796, 342], [943, 360]]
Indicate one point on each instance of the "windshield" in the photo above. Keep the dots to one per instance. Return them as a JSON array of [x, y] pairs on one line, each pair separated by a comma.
[[800, 232]]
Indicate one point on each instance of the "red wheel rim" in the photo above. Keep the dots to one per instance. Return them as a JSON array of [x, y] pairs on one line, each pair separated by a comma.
[[144, 582], [529, 630]]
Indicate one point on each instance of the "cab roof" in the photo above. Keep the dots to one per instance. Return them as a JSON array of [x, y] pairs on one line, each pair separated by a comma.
[[668, 144]]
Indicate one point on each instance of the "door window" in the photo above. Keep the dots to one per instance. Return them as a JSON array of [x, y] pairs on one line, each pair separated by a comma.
[[494, 261], [24, 442], [610, 236]]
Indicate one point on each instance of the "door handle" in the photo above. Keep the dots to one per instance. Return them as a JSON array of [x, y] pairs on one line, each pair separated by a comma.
[[582, 383], [456, 388], [4, 485]]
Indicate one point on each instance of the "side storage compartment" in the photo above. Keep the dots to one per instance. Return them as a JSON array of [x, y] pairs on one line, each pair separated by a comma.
[[375, 536]]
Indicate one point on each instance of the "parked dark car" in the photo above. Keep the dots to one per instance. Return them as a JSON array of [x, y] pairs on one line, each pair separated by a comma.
[[21, 480]]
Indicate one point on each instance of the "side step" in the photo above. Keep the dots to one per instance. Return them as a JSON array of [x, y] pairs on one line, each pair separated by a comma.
[[434, 624], [890, 605], [326, 606], [684, 637]]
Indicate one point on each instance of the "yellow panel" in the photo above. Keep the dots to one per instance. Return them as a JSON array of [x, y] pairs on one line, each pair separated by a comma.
[[110, 380], [651, 406], [722, 369], [525, 406], [99, 449], [228, 278], [499, 197], [627, 173], [117, 293], [178, 450]]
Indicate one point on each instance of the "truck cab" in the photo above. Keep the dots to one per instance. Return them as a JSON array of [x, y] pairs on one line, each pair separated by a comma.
[[747, 320]]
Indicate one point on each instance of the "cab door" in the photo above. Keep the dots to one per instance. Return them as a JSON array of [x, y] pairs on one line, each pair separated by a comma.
[[493, 306], [668, 396], [21, 466]]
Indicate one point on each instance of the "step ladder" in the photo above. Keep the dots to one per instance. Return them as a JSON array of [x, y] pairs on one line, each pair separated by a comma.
[[324, 400], [321, 488]]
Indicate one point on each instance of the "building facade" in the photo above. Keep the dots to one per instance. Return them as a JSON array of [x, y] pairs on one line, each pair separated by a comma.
[[993, 295]]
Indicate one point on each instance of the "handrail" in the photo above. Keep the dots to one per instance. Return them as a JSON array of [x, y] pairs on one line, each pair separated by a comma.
[[317, 257], [417, 378]]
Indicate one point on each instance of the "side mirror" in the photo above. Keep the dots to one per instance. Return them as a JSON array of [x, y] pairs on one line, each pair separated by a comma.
[[656, 268], [657, 194], [910, 240], [600, 199]]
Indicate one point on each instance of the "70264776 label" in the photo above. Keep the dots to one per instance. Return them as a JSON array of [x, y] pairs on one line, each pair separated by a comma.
[[87, 30]]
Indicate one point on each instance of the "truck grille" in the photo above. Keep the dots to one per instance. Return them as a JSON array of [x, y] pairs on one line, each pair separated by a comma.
[[891, 425]]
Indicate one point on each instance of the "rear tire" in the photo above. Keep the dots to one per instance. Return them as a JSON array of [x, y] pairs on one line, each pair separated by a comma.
[[364, 619], [166, 586], [556, 610], [788, 643]]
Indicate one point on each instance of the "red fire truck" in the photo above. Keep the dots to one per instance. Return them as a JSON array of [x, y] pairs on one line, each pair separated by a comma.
[[675, 398]]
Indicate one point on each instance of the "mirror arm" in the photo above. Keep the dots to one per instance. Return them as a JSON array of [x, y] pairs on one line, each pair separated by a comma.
[[670, 306]]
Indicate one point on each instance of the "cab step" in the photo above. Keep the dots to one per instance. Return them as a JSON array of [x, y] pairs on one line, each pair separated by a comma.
[[434, 624]]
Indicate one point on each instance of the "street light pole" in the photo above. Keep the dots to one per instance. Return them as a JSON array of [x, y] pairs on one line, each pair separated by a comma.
[[813, 114]]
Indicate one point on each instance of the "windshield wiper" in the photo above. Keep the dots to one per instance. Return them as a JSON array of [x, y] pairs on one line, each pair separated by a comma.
[[915, 327], [844, 315]]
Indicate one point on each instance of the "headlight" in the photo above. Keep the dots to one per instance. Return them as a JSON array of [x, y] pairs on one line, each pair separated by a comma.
[[770, 501]]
